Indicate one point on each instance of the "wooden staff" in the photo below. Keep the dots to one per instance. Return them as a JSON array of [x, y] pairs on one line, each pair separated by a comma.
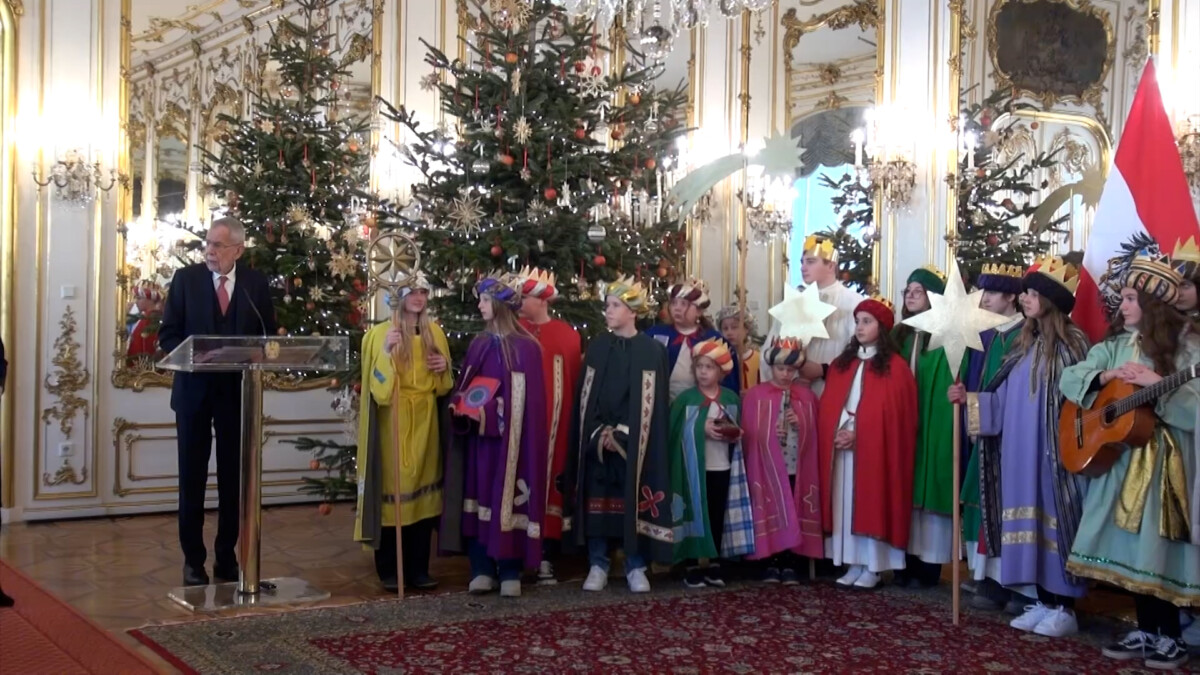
[[954, 575], [394, 303]]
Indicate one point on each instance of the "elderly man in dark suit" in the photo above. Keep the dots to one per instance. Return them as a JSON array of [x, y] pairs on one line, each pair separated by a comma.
[[220, 296]]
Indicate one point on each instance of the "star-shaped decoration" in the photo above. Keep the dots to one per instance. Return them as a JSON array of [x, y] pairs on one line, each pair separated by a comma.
[[592, 85], [296, 213], [780, 157], [802, 315], [258, 168], [342, 265], [266, 126], [486, 125], [525, 174], [522, 131], [536, 207], [352, 236], [317, 294], [430, 81], [466, 213], [394, 257], [516, 82], [955, 320]]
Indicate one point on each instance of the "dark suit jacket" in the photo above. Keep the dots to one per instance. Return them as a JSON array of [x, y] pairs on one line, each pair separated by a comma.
[[191, 310]]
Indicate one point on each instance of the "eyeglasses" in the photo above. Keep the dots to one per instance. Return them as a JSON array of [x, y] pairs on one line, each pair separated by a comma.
[[216, 245]]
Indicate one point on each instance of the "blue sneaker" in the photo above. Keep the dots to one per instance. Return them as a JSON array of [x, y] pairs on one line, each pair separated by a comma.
[[771, 576], [790, 578]]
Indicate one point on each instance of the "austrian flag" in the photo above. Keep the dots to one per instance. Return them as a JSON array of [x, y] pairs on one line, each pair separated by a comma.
[[1145, 197]]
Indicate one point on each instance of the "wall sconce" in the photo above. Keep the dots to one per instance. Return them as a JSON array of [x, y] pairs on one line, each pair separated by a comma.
[[76, 180], [886, 143], [1187, 138], [768, 203]]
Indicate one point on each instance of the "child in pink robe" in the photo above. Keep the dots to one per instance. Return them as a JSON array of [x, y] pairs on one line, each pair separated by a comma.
[[780, 444]]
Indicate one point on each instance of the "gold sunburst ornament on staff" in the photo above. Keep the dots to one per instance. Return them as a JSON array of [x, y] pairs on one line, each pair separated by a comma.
[[394, 261]]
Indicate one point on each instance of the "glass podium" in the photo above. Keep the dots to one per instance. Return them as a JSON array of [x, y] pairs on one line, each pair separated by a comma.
[[252, 356]]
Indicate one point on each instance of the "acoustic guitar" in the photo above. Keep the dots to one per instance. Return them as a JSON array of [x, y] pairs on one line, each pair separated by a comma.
[[1091, 440]]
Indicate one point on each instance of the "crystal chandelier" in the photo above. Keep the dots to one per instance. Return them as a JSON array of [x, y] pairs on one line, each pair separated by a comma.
[[75, 179], [887, 144], [654, 25]]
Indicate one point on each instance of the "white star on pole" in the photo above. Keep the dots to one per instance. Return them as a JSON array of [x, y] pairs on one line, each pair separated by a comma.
[[802, 315], [955, 320]]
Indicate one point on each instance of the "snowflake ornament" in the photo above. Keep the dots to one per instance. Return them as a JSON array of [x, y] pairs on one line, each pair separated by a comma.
[[296, 213], [342, 265], [536, 207], [522, 131], [592, 85], [352, 236], [466, 213], [486, 125], [430, 81], [317, 294], [525, 174]]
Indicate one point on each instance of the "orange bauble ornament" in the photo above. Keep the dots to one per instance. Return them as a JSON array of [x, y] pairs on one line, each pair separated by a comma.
[[580, 133], [506, 160], [663, 272], [324, 509], [352, 145], [650, 164], [617, 133], [314, 465], [635, 98], [510, 57], [599, 261], [550, 194], [497, 251]]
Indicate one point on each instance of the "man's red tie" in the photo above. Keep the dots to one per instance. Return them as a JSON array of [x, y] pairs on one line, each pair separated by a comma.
[[223, 294]]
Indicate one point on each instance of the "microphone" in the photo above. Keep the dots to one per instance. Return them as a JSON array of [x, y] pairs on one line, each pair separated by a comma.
[[262, 324]]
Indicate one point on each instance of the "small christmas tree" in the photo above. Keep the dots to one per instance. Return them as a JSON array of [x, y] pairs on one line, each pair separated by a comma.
[[294, 175], [995, 200], [854, 237], [552, 164]]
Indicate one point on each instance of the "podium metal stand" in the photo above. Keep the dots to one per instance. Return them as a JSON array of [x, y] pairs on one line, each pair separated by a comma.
[[252, 356]]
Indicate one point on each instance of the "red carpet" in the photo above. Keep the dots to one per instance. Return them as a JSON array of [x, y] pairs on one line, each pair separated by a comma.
[[41, 634]]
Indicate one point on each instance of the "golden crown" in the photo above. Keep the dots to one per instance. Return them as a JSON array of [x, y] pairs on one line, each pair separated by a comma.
[[883, 301], [1064, 273], [1186, 251], [821, 247], [793, 344], [1002, 270], [932, 269], [629, 291]]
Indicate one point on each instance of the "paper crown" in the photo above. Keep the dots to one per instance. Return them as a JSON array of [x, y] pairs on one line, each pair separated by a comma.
[[1054, 279], [1001, 278], [717, 350], [537, 283], [1186, 259], [148, 290], [733, 311], [418, 282], [501, 286], [630, 292], [1153, 275], [785, 352], [819, 246], [693, 290], [881, 308], [930, 277]]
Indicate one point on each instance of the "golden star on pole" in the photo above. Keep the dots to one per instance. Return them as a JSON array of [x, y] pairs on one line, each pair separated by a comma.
[[802, 315], [955, 320]]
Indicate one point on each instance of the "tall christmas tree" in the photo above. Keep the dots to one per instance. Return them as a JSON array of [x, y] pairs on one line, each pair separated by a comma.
[[996, 200], [552, 162], [295, 174]]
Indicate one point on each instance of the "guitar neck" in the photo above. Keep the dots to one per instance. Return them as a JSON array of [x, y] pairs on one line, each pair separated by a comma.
[[1152, 393]]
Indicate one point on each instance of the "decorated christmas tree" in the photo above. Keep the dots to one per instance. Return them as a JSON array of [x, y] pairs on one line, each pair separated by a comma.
[[854, 237], [295, 173], [996, 200], [551, 161]]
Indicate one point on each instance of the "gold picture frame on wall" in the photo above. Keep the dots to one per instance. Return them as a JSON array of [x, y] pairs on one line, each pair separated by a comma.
[[834, 84], [178, 75], [1052, 50]]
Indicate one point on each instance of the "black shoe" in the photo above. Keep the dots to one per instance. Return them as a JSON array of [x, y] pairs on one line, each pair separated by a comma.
[[694, 578], [1135, 645], [390, 584], [5, 600], [1169, 653], [903, 579], [771, 576], [226, 572], [790, 578], [422, 582], [194, 575]]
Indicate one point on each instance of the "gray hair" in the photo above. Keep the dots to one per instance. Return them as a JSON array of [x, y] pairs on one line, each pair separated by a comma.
[[236, 230]]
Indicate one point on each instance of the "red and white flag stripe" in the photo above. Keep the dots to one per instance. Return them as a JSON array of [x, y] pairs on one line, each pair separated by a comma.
[[1146, 192]]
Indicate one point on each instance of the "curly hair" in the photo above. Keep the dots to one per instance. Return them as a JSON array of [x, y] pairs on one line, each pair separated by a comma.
[[1162, 328], [885, 347]]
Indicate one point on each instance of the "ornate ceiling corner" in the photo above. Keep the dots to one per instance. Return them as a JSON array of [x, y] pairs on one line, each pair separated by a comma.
[[65, 474], [832, 101], [68, 379], [1054, 84], [864, 13]]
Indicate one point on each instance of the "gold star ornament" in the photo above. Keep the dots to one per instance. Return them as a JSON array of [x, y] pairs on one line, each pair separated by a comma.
[[802, 314], [955, 320]]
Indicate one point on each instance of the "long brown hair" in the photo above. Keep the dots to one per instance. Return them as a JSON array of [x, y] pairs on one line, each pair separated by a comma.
[[504, 324], [1161, 328], [1054, 328], [885, 347], [422, 328]]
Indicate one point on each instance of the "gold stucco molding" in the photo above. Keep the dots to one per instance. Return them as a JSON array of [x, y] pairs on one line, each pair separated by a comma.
[[68, 378]]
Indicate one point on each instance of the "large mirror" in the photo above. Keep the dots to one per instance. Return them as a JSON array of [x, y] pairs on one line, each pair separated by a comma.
[[186, 64], [832, 62]]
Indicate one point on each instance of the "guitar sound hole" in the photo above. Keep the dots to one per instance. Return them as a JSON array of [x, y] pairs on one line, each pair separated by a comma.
[[1109, 416]]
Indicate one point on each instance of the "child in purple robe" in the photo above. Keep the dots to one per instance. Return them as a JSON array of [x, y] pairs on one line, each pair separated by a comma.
[[496, 469], [780, 445]]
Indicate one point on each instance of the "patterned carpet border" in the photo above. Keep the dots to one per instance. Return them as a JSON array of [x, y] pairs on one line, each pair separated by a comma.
[[387, 636]]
